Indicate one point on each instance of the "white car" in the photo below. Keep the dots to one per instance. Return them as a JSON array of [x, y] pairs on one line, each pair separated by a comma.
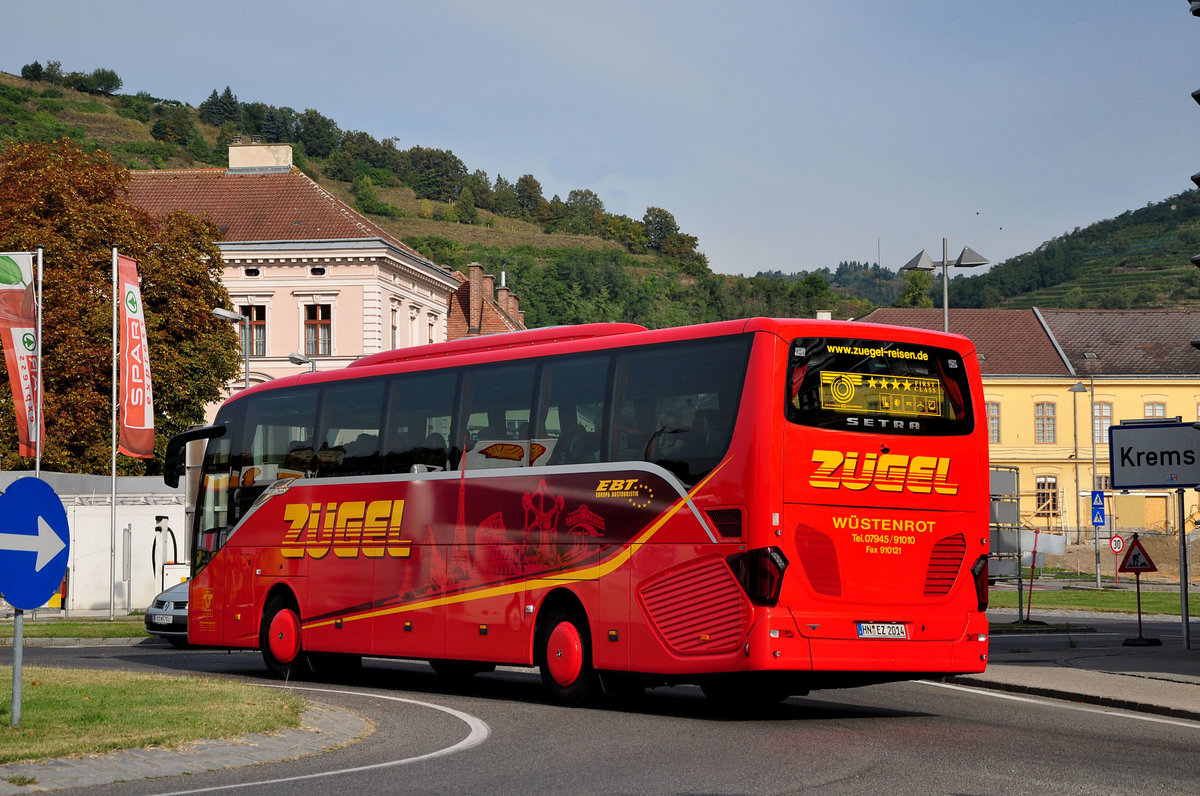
[[167, 615]]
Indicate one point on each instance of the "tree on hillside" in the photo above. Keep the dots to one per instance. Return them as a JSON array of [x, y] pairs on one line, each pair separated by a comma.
[[660, 225], [272, 129], [32, 71], [434, 173], [585, 212], [210, 109], [319, 134], [504, 198], [915, 292], [465, 207], [74, 204], [529, 195]]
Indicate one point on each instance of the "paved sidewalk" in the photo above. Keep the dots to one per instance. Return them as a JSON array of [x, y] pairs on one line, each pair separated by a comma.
[[1153, 679]]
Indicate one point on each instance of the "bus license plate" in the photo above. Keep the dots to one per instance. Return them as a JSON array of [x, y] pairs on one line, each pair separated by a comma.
[[162, 619], [881, 630]]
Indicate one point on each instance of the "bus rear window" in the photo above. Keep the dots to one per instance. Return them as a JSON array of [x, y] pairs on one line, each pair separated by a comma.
[[877, 386]]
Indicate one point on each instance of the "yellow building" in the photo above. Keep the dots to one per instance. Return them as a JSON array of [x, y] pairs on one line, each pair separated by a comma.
[[1055, 380]]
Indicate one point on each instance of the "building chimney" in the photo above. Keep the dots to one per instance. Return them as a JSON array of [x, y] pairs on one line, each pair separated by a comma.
[[256, 158], [475, 300], [489, 286], [502, 296]]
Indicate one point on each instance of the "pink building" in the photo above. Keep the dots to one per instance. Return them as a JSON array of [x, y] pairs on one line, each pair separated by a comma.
[[315, 277]]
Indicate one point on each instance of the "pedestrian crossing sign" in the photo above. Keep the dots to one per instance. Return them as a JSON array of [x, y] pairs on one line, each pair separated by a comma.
[[1098, 517], [1136, 559]]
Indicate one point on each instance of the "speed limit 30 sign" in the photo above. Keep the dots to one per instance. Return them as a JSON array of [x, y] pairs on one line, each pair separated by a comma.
[[1117, 544]]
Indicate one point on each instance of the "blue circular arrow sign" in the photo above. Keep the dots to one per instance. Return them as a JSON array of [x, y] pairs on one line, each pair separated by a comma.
[[34, 543]]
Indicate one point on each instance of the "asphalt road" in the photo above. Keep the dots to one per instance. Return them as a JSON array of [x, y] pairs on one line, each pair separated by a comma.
[[904, 738]]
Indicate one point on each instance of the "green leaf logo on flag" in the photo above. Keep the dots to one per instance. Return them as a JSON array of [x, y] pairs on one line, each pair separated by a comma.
[[10, 272], [131, 302], [28, 341]]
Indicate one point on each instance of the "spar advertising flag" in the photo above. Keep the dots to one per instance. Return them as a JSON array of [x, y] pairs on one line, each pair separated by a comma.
[[137, 400], [18, 334]]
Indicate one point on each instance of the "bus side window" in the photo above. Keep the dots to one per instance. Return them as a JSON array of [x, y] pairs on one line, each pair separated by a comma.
[[496, 400], [419, 407], [572, 392]]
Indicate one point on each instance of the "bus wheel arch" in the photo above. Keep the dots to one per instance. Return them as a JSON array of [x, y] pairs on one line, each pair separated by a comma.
[[563, 650], [280, 636]]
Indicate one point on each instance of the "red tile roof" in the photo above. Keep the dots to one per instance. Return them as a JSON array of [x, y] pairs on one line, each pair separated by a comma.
[[1128, 342], [1013, 342], [247, 207]]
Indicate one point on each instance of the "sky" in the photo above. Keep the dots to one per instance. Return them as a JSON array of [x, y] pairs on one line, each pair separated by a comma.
[[785, 136]]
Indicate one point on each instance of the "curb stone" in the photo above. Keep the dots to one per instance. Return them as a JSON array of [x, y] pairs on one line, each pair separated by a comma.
[[322, 728]]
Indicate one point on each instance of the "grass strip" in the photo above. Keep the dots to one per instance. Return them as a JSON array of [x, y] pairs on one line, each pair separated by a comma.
[[81, 712], [55, 627], [1104, 601]]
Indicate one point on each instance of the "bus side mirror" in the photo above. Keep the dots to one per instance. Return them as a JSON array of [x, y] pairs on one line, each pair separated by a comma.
[[174, 463]]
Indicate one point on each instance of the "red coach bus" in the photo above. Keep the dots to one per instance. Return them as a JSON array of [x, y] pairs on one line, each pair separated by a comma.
[[761, 507]]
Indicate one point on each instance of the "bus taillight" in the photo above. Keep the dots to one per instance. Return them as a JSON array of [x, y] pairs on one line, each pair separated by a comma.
[[980, 571], [760, 572]]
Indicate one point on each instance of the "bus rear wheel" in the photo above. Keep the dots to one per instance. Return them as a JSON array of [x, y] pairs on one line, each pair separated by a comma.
[[565, 658], [279, 639]]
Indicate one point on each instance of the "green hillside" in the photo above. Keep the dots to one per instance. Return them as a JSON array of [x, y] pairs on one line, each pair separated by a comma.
[[570, 260], [1140, 259]]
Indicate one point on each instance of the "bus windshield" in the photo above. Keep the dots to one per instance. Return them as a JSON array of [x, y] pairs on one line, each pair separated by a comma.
[[878, 386]]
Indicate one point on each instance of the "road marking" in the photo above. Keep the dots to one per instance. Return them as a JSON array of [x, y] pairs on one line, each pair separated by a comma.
[[478, 733], [1050, 701]]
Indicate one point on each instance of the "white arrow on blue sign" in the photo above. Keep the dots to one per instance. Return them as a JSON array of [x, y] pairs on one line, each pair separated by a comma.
[[34, 543]]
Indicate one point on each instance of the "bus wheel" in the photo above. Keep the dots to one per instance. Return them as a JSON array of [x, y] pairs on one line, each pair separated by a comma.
[[279, 640], [566, 659]]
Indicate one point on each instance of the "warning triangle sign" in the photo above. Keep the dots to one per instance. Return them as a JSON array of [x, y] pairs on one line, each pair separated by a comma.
[[1136, 559], [1097, 500], [1098, 518]]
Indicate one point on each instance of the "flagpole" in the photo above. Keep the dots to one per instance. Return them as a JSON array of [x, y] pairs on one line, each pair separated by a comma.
[[38, 408], [112, 530]]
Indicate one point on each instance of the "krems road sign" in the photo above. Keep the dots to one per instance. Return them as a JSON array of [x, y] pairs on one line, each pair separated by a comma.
[[1154, 455]]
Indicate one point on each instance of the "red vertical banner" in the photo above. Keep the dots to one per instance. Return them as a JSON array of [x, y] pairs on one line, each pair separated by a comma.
[[137, 397], [18, 335]]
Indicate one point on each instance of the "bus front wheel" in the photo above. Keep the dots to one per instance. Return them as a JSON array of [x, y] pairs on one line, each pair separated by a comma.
[[566, 658], [279, 638]]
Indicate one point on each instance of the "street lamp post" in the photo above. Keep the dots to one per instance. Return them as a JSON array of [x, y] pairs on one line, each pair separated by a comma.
[[968, 258], [300, 359], [233, 317]]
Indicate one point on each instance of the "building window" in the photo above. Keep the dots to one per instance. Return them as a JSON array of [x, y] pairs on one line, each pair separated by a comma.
[[993, 421], [1101, 420], [1102, 482], [1047, 496], [318, 327], [1045, 431], [1154, 409], [431, 322], [395, 326], [258, 329]]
